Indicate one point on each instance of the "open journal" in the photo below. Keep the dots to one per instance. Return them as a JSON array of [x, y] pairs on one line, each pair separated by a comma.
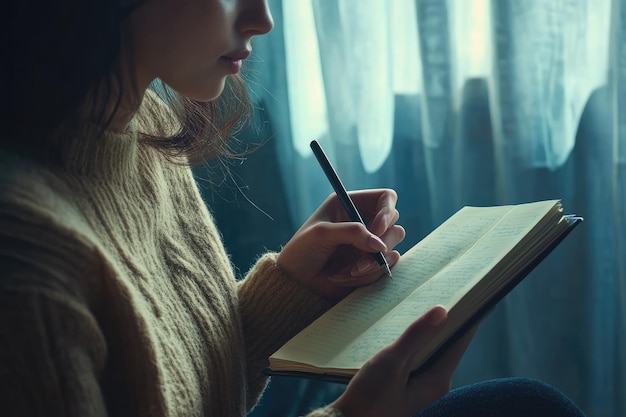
[[467, 265]]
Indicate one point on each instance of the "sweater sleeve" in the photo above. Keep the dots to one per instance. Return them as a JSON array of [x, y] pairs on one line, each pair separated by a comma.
[[51, 348], [273, 309]]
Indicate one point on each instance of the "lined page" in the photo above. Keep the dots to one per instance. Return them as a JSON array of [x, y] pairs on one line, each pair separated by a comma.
[[506, 229]]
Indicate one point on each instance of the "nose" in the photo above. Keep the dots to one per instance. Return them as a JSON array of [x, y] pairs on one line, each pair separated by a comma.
[[255, 17]]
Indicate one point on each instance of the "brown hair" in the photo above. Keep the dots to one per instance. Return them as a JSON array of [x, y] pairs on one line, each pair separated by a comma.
[[207, 128]]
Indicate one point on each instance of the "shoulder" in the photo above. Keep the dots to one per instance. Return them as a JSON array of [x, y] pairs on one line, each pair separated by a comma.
[[34, 195], [44, 242]]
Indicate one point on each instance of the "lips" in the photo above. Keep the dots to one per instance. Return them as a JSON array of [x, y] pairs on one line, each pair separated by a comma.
[[237, 56], [234, 60]]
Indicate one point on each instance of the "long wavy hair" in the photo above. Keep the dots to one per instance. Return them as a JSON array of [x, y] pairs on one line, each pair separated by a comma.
[[62, 58]]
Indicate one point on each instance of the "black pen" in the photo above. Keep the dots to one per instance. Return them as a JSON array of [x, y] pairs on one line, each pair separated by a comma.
[[345, 199]]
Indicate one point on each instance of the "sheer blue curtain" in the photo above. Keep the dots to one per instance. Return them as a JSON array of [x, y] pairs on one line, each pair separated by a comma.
[[462, 102]]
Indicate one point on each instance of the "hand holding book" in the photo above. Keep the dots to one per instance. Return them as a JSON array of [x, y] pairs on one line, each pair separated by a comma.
[[402, 393]]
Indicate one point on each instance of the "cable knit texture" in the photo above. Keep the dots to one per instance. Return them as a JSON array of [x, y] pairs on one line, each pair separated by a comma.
[[116, 295]]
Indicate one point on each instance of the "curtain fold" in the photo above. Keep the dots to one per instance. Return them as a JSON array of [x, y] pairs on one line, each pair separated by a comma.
[[470, 102]]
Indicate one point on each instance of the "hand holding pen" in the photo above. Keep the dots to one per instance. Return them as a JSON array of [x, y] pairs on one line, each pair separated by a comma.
[[331, 255], [343, 196]]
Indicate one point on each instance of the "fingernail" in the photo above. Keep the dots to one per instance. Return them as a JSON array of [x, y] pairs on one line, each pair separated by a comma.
[[341, 279], [436, 316], [376, 244], [364, 266]]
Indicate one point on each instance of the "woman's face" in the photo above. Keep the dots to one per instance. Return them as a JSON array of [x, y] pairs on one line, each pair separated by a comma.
[[192, 45]]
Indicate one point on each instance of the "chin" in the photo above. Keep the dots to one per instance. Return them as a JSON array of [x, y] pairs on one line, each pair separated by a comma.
[[209, 93]]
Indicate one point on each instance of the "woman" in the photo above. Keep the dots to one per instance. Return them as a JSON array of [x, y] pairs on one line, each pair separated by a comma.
[[116, 294]]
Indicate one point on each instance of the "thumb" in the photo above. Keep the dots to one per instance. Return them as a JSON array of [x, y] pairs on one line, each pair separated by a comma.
[[418, 334]]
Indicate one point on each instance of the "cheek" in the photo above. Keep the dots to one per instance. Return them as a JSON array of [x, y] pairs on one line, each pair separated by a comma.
[[179, 42], [193, 69]]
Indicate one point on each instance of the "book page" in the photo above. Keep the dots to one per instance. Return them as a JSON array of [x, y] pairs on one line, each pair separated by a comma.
[[499, 235], [438, 270]]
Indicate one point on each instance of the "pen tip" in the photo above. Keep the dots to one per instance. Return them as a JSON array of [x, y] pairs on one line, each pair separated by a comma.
[[388, 270]]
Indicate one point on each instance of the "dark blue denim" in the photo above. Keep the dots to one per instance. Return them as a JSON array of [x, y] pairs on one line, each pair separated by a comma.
[[507, 397]]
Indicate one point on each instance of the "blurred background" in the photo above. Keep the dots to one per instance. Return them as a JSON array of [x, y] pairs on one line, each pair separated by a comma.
[[453, 103]]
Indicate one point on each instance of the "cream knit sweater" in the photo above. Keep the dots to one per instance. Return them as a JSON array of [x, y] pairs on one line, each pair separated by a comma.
[[117, 297]]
